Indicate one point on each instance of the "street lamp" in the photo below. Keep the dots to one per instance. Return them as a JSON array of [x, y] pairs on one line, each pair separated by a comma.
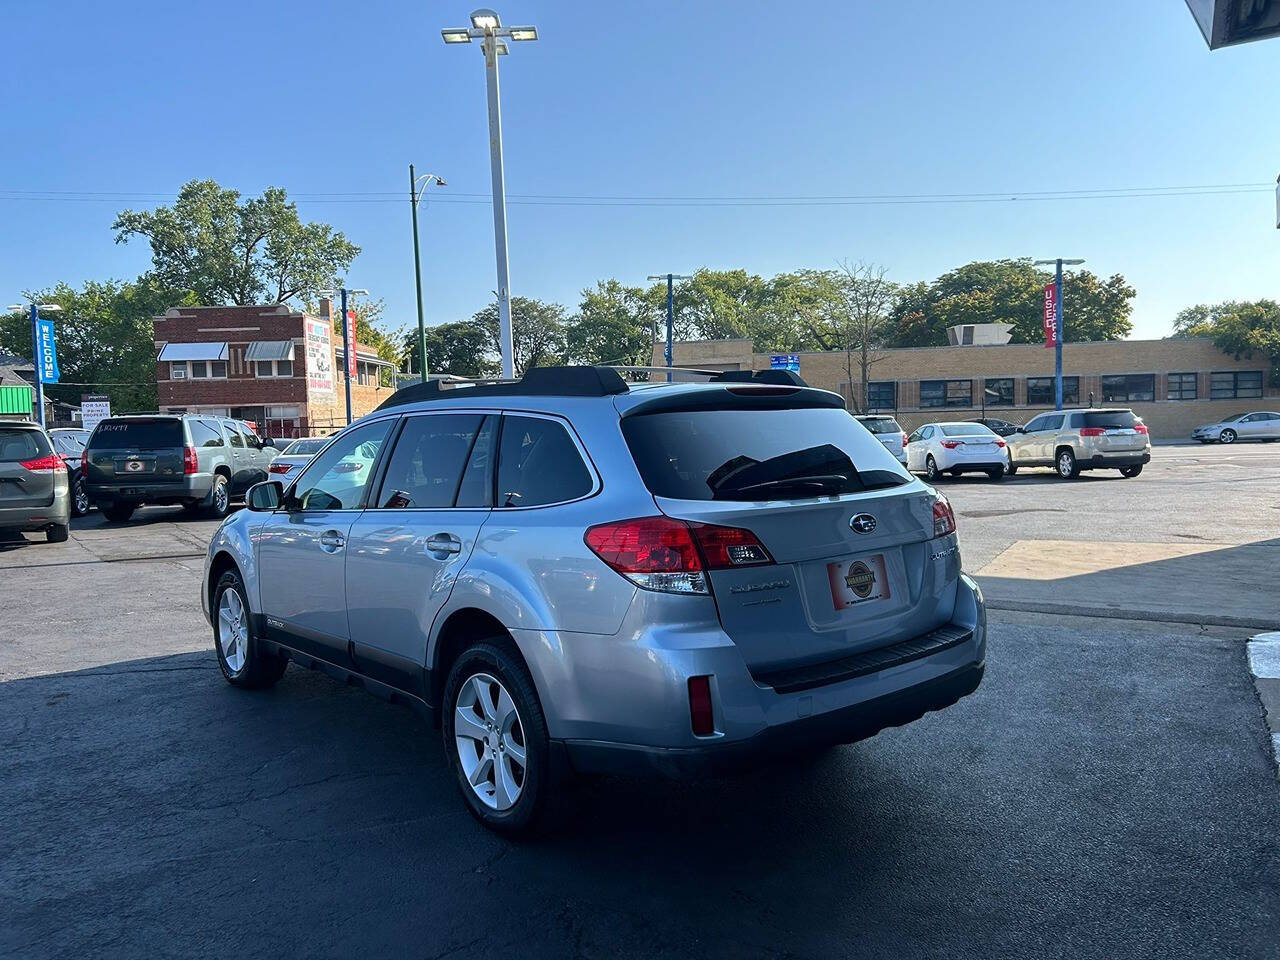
[[1059, 324], [348, 340], [486, 26], [415, 194], [37, 354]]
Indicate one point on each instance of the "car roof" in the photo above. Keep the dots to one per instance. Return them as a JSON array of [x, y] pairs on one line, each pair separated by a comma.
[[21, 424]]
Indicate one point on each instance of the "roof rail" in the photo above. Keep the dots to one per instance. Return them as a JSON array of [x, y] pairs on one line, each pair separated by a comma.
[[537, 382], [781, 378]]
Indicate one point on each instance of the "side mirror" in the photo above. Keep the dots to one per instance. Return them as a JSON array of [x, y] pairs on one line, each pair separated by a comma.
[[1020, 430], [268, 442], [265, 496]]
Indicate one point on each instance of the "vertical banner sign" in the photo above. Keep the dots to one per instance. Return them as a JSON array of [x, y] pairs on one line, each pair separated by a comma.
[[48, 353], [1050, 315], [319, 352], [351, 344]]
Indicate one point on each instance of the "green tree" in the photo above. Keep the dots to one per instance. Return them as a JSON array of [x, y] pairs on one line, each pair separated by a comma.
[[1242, 329], [224, 251], [537, 332], [462, 349], [614, 324]]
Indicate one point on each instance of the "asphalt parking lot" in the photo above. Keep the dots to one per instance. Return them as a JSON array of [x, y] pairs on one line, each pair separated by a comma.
[[1109, 791]]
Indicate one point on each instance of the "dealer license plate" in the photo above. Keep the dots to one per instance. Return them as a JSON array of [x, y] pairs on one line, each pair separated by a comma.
[[856, 581]]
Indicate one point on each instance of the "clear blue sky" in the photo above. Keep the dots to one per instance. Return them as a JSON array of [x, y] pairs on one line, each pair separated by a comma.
[[656, 99]]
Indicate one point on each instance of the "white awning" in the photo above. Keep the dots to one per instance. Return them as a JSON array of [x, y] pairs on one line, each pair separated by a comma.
[[269, 350], [193, 351]]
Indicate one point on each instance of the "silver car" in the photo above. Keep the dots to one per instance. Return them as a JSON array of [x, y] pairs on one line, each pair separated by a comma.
[[572, 575], [889, 433], [35, 493], [295, 455], [1263, 425], [1071, 441]]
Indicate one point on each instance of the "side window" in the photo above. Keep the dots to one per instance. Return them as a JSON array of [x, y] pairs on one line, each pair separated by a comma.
[[1051, 423], [336, 479], [426, 465], [538, 463], [914, 437], [1037, 423], [233, 434], [477, 482], [203, 434], [1075, 421], [251, 439], [926, 433]]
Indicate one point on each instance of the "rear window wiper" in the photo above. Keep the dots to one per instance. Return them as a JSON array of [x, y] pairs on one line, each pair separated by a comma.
[[814, 480]]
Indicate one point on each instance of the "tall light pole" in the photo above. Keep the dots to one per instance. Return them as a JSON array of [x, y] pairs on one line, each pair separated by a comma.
[[1062, 327], [415, 194], [348, 341], [37, 360], [487, 27], [671, 314]]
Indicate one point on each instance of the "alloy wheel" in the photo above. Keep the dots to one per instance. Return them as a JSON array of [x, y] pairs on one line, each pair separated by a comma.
[[220, 500], [233, 630], [490, 741], [82, 497], [1066, 464], [1228, 436]]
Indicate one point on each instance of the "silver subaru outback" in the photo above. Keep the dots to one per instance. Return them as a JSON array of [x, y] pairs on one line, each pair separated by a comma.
[[570, 574]]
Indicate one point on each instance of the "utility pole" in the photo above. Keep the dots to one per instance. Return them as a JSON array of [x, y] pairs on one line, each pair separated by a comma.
[[1060, 321], [347, 347], [671, 314], [415, 194]]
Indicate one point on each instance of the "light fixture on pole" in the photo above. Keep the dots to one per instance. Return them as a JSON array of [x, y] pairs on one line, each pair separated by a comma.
[[39, 352], [1060, 326], [415, 194], [486, 26], [671, 314], [349, 359]]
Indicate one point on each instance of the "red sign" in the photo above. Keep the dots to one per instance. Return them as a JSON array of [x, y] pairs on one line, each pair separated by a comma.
[[351, 344], [1051, 315]]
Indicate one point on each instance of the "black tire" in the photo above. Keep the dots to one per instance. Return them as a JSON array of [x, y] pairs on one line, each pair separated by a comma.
[[1066, 465], [996, 474], [931, 471], [1227, 436], [495, 658], [79, 496], [259, 669], [58, 533], [118, 512], [219, 498], [1131, 471]]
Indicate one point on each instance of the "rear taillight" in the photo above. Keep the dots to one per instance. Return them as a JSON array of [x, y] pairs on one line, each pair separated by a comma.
[[278, 468], [944, 519], [1141, 428], [1000, 443], [190, 462], [701, 716], [904, 440], [659, 553], [1092, 431], [50, 464], [951, 444]]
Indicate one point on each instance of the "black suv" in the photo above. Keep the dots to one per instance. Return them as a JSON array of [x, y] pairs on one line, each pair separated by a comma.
[[199, 461]]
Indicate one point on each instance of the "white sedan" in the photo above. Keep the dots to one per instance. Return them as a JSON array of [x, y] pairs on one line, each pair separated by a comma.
[[956, 448]]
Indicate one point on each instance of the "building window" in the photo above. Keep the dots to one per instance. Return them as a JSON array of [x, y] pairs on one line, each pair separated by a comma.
[[1128, 387], [882, 395], [271, 369], [999, 392], [946, 393], [1182, 386], [198, 369], [1235, 386], [1040, 391]]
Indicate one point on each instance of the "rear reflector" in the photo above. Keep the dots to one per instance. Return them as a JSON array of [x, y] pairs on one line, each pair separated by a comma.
[[944, 519], [50, 464], [700, 715]]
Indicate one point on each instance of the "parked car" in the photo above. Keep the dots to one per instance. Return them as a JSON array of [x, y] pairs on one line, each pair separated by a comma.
[[1001, 428], [68, 443], [295, 456], [1074, 440], [35, 494], [671, 578], [201, 462], [1263, 425], [956, 448], [888, 432]]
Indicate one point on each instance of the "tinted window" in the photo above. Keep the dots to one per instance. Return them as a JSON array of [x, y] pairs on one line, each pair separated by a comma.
[[300, 448], [1036, 423], [966, 430], [1129, 387], [1182, 386], [205, 433], [882, 395], [477, 482], [1110, 419], [753, 455], [881, 424], [538, 463], [233, 434], [426, 465], [336, 479], [19, 445], [946, 393], [1051, 423], [999, 393], [143, 434], [1040, 390]]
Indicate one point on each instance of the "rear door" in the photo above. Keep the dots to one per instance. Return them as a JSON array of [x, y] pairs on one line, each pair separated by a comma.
[[241, 459], [1114, 431], [849, 532], [137, 455], [26, 474]]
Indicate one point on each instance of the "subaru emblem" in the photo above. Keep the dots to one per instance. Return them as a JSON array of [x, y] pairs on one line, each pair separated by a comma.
[[862, 523]]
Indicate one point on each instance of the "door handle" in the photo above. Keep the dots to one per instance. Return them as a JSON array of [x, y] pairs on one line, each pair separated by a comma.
[[445, 543], [331, 541]]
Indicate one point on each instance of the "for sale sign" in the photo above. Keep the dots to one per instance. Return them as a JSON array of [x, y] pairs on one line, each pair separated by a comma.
[[319, 352], [93, 410], [1051, 326]]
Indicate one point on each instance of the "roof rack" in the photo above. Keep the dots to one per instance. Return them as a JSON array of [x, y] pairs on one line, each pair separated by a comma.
[[537, 382]]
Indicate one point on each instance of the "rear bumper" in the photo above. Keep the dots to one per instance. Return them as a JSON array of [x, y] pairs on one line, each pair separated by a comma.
[[1113, 460], [196, 486], [31, 519], [971, 467]]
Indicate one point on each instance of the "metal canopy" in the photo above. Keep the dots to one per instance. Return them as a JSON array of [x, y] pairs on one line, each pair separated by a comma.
[[193, 351], [270, 350]]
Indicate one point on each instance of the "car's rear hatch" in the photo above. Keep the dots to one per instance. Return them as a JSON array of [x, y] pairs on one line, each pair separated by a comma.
[[1114, 431], [21, 486], [973, 442], [140, 452], [888, 432], [855, 564]]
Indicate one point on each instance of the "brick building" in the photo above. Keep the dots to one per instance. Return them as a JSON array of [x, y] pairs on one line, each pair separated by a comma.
[[1174, 385], [272, 365]]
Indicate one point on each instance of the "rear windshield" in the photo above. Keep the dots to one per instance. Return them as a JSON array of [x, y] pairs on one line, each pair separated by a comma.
[[1110, 418], [966, 430], [301, 447], [143, 434], [753, 455], [18, 445], [881, 424]]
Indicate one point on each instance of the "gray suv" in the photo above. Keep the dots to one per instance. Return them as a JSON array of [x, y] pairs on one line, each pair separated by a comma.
[[570, 574], [201, 462], [35, 493]]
